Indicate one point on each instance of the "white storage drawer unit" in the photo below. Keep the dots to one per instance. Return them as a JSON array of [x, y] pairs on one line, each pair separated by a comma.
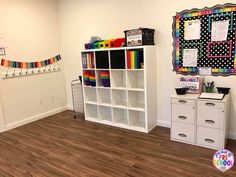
[[183, 115], [202, 122], [183, 132], [210, 114], [212, 123], [210, 138]]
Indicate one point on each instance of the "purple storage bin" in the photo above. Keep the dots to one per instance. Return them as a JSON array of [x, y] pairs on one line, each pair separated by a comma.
[[87, 82], [106, 82]]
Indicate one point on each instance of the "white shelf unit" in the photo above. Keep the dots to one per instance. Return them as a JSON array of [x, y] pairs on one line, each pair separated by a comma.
[[130, 101]]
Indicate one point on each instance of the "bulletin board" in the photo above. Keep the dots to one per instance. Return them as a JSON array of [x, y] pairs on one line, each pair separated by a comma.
[[205, 38]]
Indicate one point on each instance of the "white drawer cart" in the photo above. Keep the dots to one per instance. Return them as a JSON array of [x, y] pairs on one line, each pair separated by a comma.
[[201, 122]]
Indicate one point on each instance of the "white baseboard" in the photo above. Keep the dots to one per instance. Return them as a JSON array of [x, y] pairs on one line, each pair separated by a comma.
[[33, 118], [163, 123], [232, 135], [69, 107]]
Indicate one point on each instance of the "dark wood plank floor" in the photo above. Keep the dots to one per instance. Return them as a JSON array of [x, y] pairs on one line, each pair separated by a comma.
[[61, 146]]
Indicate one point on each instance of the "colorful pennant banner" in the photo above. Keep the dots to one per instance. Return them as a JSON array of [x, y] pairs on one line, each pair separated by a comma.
[[30, 65]]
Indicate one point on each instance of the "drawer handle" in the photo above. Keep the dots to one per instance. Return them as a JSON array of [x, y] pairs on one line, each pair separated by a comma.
[[182, 135], [182, 101], [182, 117], [210, 121], [210, 104], [209, 141]]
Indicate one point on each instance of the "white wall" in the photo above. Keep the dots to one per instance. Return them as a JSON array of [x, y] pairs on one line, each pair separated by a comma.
[[80, 19], [30, 28]]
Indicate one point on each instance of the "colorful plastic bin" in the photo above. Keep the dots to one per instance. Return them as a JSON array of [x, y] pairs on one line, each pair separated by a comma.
[[105, 78]]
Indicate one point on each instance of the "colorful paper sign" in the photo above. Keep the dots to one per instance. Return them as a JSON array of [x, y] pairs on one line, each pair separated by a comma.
[[29, 65]]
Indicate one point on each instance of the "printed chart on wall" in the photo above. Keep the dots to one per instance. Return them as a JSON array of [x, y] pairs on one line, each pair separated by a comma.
[[204, 39]]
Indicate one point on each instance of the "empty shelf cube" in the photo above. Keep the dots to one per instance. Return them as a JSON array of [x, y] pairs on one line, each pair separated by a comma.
[[91, 111], [105, 113], [137, 119], [136, 100], [135, 79], [118, 79], [104, 96], [119, 98], [90, 95], [120, 116]]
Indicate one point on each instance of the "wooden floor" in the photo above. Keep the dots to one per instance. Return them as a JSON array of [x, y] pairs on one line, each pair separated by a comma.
[[61, 146]]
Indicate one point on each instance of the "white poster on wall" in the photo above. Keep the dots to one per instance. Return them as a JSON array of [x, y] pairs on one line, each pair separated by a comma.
[[219, 30], [204, 71], [190, 57], [192, 29]]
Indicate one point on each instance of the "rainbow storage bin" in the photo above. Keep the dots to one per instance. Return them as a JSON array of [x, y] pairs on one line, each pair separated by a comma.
[[86, 78], [119, 42], [105, 78], [92, 80]]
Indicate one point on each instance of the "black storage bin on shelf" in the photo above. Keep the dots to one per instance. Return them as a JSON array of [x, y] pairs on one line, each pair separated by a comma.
[[224, 90], [117, 59], [102, 60], [141, 36]]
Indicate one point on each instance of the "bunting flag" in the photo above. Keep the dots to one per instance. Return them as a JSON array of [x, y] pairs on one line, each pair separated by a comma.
[[30, 65]]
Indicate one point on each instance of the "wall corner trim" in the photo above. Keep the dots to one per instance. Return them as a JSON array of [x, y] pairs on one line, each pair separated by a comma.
[[163, 123], [232, 135]]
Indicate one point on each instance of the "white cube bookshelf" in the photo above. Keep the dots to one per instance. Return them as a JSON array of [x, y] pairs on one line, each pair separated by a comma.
[[130, 100]]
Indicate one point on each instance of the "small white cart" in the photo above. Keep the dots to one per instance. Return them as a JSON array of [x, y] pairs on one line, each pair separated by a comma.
[[77, 97]]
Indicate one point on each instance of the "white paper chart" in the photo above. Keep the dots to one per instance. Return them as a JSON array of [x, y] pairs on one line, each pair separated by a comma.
[[219, 30], [205, 71], [192, 29], [190, 57]]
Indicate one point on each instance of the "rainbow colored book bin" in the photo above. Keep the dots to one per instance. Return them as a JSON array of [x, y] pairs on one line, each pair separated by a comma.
[[105, 78], [86, 78], [92, 80]]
